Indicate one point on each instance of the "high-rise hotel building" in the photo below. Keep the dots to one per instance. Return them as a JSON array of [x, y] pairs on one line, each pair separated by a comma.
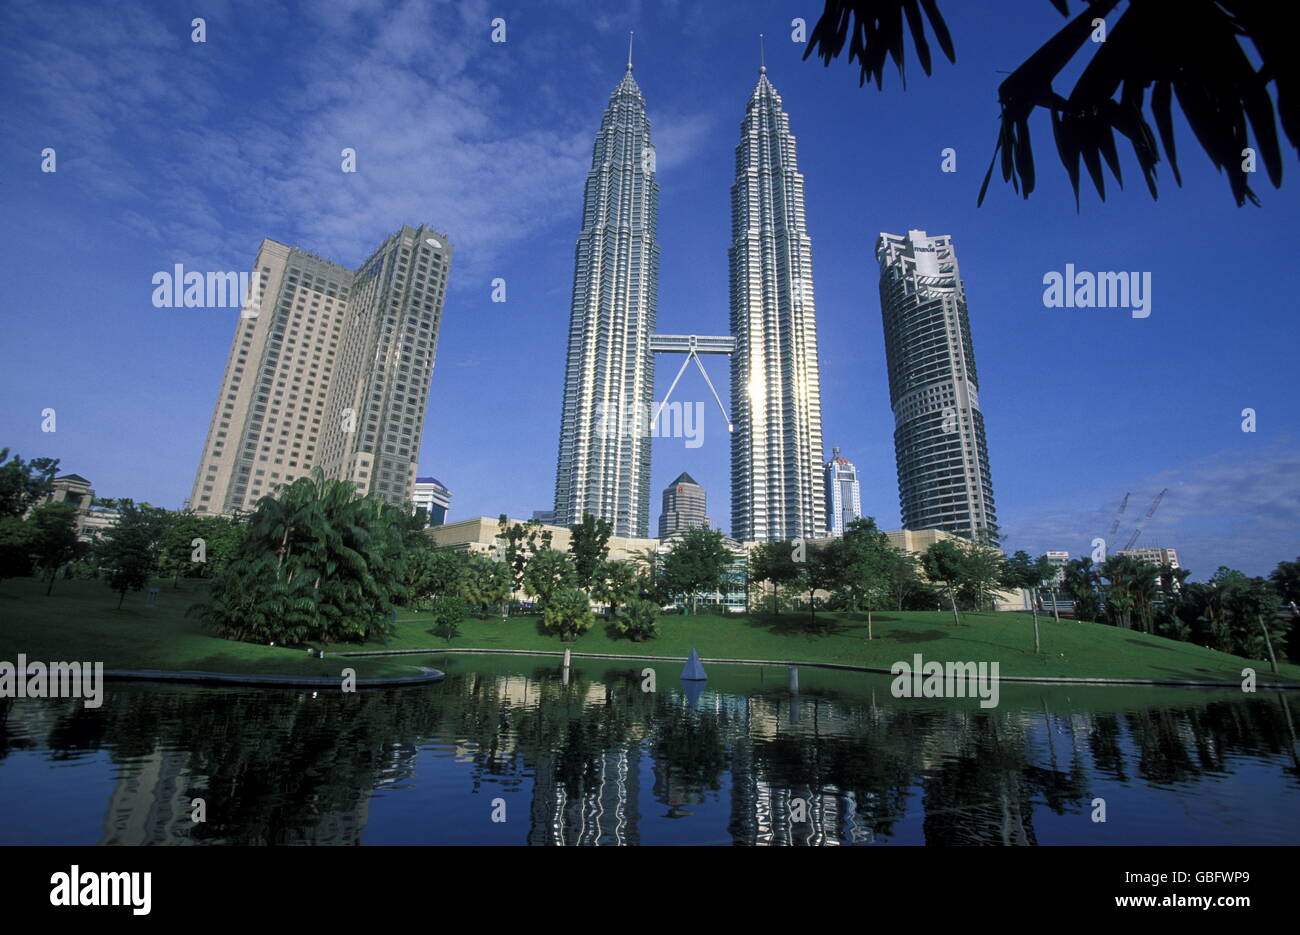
[[776, 448], [604, 458], [685, 506], [939, 443], [329, 368], [843, 493]]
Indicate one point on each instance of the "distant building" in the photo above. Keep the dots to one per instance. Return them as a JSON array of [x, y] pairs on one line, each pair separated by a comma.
[[843, 493], [1154, 556], [76, 490], [545, 517], [1060, 560], [433, 495], [685, 507]]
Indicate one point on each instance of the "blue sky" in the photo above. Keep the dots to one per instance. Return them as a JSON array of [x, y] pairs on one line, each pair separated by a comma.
[[175, 152]]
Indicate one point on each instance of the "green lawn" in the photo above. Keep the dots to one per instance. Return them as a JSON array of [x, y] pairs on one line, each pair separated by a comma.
[[1070, 649], [80, 621]]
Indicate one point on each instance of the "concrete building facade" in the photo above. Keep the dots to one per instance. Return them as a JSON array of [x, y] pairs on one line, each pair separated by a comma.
[[685, 506], [328, 368], [939, 442]]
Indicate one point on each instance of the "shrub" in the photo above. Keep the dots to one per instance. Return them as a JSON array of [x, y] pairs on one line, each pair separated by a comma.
[[638, 619], [568, 614]]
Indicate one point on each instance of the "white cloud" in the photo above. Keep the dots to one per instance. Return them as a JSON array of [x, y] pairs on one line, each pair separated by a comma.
[[164, 129], [1234, 508]]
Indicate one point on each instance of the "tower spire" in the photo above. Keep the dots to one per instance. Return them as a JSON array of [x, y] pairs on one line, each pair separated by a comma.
[[630, 35], [762, 56]]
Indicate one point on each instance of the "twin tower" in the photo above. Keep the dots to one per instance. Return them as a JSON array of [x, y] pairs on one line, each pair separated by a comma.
[[775, 416]]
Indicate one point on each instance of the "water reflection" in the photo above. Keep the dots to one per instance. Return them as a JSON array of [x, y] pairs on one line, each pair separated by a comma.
[[599, 761]]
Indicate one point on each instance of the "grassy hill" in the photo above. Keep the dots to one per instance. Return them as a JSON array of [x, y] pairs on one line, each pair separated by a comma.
[[1070, 649], [80, 621]]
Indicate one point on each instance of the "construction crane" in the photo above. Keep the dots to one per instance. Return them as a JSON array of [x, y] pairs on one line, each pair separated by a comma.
[[1114, 527], [1137, 532]]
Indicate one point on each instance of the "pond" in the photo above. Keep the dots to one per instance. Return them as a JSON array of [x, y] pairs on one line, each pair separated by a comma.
[[506, 750]]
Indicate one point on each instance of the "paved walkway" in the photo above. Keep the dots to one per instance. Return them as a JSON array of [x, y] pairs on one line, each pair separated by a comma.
[[1048, 679], [426, 676]]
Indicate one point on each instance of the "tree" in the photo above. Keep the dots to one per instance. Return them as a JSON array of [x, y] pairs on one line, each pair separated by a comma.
[[869, 566], [548, 572], [1246, 610], [484, 583], [1193, 51], [175, 550], [129, 550], [567, 613], [448, 611], [773, 563], [698, 562], [615, 585], [646, 562], [24, 483], [1130, 582], [945, 563], [589, 546], [1286, 581], [904, 583], [54, 537], [432, 573], [817, 572], [318, 563], [1021, 571], [639, 620], [1080, 582], [520, 542], [15, 547], [981, 572]]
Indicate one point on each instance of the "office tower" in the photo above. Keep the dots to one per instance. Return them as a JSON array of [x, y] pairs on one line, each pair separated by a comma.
[[685, 507], [1059, 560], [329, 368], [1153, 556], [433, 496], [776, 448], [943, 462], [843, 493], [604, 459]]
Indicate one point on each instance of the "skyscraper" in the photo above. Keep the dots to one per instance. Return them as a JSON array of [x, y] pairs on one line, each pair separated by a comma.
[[433, 497], [685, 507], [942, 455], [329, 368], [843, 493], [776, 448], [604, 459]]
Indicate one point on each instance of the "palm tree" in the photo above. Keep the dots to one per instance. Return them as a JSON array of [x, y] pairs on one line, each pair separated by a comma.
[[1192, 50], [647, 562]]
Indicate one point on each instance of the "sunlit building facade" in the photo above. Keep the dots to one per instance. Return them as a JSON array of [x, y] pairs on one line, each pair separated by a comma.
[[776, 448]]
